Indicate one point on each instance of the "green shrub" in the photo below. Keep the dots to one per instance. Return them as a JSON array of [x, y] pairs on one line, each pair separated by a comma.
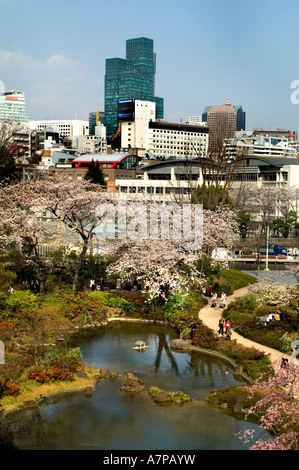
[[60, 365], [59, 353], [255, 369], [154, 391], [115, 301], [183, 308], [19, 301], [225, 395], [7, 278], [177, 397], [171, 397], [205, 338]]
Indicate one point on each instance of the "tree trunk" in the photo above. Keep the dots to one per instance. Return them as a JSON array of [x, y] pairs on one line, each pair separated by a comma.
[[82, 257]]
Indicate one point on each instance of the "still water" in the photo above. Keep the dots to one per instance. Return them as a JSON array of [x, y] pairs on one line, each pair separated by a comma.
[[113, 419]]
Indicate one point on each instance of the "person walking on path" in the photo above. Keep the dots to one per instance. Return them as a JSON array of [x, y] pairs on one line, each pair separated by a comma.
[[228, 332], [223, 300], [221, 326], [227, 325], [210, 317]]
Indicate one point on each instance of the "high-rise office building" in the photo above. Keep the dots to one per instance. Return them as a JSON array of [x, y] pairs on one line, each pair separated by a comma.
[[131, 78], [223, 121], [12, 107]]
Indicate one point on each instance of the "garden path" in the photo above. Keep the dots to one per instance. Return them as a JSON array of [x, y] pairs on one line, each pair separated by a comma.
[[210, 317]]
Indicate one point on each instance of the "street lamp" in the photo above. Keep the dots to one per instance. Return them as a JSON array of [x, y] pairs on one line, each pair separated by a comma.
[[267, 249]]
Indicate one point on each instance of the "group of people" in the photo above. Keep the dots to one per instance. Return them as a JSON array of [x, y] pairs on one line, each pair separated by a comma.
[[99, 285], [225, 328], [214, 298]]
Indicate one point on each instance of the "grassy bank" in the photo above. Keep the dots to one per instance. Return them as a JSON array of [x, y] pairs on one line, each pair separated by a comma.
[[31, 390]]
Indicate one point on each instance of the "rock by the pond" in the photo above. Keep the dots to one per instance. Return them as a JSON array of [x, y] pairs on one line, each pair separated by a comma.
[[88, 391], [81, 375], [238, 406], [132, 383], [112, 375], [29, 405], [181, 344], [106, 374], [160, 397]]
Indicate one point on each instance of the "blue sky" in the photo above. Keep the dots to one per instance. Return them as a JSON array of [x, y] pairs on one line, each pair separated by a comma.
[[207, 51]]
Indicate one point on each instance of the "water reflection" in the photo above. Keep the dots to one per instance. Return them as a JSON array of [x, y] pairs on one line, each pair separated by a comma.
[[163, 345], [114, 419]]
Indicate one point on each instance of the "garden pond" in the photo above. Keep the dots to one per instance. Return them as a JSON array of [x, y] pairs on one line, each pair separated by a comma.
[[112, 419]]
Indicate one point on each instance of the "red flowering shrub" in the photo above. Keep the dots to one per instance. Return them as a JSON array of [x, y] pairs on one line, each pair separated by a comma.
[[8, 388], [59, 370], [40, 375], [58, 373]]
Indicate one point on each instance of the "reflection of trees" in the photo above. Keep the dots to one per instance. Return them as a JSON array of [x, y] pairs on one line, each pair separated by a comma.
[[205, 366], [162, 344]]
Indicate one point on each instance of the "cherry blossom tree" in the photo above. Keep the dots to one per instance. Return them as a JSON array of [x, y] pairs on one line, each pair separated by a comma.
[[171, 264], [51, 210], [21, 227], [277, 409], [60, 212]]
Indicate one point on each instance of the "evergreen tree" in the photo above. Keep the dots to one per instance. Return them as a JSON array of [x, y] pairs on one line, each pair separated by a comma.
[[8, 170], [95, 174]]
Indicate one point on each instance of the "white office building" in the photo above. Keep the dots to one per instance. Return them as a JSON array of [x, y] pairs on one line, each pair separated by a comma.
[[259, 143], [177, 141], [13, 107], [141, 131], [65, 128], [134, 132]]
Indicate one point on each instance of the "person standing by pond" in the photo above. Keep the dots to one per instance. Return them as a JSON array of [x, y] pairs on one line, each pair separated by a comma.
[[193, 330]]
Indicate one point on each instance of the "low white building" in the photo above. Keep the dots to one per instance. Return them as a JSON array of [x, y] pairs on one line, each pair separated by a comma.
[[91, 143], [141, 131], [172, 140], [164, 180], [180, 177], [66, 128], [262, 143]]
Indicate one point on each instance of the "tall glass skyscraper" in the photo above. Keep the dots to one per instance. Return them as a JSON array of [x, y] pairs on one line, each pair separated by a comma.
[[131, 78]]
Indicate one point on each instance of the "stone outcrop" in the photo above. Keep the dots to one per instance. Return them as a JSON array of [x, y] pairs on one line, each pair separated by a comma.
[[106, 374], [181, 344], [132, 384]]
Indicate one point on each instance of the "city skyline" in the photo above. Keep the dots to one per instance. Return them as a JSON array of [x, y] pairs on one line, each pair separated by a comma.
[[206, 52]]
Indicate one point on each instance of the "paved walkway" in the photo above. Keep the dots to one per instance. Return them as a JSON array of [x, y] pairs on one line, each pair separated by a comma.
[[210, 317]]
